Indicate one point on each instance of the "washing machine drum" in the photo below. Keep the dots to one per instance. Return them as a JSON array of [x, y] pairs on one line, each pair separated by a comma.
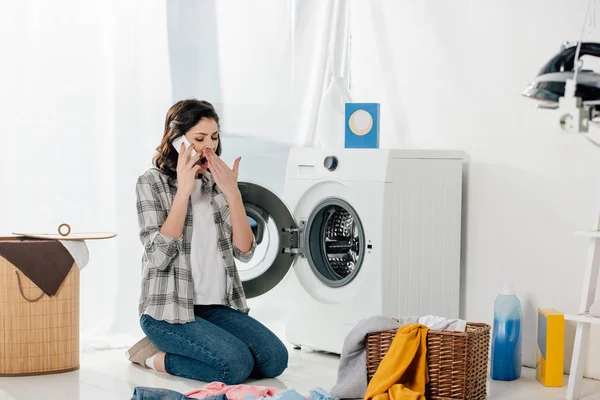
[[332, 240]]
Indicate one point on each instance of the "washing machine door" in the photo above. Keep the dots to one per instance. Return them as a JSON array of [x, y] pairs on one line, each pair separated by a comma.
[[334, 242], [277, 240]]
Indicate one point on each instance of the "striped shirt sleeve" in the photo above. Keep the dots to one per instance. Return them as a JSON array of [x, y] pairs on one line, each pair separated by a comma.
[[159, 249], [247, 256]]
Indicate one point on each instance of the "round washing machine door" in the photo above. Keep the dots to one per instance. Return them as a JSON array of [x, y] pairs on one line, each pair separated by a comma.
[[334, 242], [277, 240]]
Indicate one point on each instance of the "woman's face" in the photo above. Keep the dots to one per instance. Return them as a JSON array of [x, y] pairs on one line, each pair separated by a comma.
[[204, 134]]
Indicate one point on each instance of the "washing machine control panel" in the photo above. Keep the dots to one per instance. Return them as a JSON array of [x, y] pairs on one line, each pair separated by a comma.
[[330, 162]]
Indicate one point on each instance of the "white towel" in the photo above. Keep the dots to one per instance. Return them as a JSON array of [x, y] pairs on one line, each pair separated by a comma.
[[443, 324], [79, 251]]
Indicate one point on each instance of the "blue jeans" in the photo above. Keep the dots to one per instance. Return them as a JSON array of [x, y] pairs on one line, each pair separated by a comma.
[[223, 345]]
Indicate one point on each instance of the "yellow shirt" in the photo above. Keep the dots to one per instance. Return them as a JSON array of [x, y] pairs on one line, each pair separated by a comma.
[[402, 374]]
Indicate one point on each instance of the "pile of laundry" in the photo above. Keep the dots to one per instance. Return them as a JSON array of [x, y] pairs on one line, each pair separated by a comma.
[[220, 391], [402, 374]]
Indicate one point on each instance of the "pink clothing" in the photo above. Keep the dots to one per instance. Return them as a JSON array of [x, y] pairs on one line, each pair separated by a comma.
[[234, 392]]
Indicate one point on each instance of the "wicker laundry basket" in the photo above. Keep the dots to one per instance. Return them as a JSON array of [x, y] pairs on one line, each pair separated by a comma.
[[37, 336], [457, 361]]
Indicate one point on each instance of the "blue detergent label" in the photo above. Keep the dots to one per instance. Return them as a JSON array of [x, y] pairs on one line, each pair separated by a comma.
[[362, 126]]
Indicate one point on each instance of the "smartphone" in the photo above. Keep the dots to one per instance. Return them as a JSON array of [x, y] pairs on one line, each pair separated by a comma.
[[182, 139]]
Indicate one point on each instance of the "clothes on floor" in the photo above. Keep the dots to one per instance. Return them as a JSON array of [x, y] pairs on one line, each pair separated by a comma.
[[320, 394], [223, 344], [234, 392], [149, 393], [352, 370], [443, 324], [222, 392], [290, 394], [403, 373]]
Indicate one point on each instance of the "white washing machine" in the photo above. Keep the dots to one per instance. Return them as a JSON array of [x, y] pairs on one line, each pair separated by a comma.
[[360, 232]]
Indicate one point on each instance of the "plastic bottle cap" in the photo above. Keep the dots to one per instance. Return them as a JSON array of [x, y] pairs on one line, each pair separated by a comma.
[[508, 289]]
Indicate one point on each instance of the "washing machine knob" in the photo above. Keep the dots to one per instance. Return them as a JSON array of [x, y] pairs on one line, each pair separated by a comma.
[[331, 163]]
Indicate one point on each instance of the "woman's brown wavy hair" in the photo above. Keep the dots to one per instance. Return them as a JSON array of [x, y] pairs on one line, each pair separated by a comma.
[[181, 117]]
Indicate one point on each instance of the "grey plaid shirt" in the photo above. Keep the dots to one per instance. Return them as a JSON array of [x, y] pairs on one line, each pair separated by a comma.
[[167, 286]]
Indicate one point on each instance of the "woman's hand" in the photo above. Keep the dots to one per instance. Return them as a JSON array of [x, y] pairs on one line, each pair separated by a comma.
[[186, 170], [225, 177]]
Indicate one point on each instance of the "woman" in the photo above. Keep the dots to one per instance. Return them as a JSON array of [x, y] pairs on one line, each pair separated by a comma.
[[192, 225]]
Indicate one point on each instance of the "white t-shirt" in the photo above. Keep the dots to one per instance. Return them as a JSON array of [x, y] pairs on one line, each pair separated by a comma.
[[208, 268]]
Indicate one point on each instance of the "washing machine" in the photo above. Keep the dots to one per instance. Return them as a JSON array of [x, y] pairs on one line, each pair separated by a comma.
[[359, 232]]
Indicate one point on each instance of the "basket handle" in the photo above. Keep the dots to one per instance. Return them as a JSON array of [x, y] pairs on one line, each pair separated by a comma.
[[21, 290]]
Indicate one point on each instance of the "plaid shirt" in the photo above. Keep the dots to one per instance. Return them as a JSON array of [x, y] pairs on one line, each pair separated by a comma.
[[167, 286]]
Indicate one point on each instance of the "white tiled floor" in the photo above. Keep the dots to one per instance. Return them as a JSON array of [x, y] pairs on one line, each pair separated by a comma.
[[107, 375]]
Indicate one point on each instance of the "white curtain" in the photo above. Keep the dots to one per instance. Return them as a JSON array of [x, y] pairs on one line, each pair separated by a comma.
[[142, 95], [376, 62], [321, 77], [57, 138], [85, 86], [276, 70], [85, 89], [237, 55]]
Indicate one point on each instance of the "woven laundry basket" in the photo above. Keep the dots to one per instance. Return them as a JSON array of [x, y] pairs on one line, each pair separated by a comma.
[[457, 361], [37, 336]]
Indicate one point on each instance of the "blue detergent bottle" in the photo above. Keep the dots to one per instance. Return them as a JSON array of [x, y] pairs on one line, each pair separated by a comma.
[[506, 339]]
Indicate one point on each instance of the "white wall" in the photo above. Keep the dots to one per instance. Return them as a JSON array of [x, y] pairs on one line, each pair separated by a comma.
[[449, 75]]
